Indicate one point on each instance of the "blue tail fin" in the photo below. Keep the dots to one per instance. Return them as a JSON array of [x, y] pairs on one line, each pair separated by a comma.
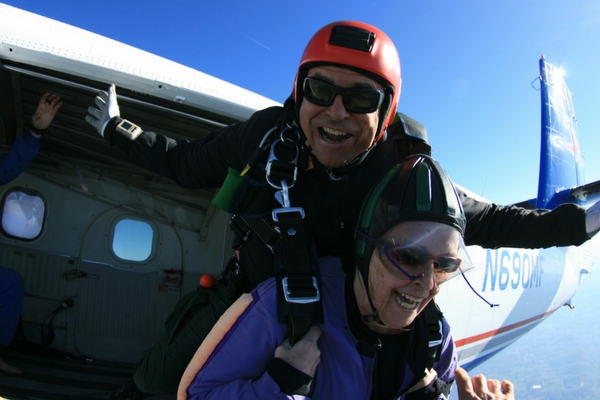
[[561, 163]]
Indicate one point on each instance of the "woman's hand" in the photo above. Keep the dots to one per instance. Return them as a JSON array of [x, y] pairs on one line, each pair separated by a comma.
[[305, 354]]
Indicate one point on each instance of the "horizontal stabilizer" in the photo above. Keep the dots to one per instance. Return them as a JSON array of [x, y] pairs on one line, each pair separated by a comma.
[[584, 195]]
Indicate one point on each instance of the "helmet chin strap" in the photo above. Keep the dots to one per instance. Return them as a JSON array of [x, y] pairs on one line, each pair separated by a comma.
[[373, 318]]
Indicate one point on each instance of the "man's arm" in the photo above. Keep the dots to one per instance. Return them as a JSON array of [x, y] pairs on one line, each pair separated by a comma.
[[490, 225], [202, 163]]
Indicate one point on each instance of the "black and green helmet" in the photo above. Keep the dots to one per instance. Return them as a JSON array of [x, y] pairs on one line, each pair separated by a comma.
[[418, 189]]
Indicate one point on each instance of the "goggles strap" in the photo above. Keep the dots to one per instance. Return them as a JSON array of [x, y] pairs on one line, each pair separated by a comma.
[[492, 305]]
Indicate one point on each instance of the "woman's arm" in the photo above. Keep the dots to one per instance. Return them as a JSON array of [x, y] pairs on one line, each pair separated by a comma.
[[233, 360]]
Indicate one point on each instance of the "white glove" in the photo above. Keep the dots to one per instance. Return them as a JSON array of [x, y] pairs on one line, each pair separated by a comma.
[[107, 108], [592, 219]]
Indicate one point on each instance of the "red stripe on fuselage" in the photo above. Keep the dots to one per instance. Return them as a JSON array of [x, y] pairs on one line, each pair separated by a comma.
[[487, 335]]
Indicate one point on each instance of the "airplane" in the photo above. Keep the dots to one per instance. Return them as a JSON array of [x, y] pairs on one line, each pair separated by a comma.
[[107, 248], [527, 284]]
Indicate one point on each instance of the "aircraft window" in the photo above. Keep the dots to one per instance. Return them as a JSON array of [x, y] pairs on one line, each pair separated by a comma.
[[132, 240], [23, 214]]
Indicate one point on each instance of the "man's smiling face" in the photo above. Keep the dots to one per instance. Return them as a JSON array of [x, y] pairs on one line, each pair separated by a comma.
[[335, 135]]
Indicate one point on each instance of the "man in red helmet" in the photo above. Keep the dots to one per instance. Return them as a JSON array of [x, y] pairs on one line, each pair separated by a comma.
[[352, 56], [335, 135], [338, 133], [361, 59]]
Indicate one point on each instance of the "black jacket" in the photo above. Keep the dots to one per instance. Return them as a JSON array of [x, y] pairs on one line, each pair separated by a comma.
[[331, 205]]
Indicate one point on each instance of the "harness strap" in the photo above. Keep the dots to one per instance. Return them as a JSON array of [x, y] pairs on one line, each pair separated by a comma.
[[433, 316], [299, 296], [262, 227], [300, 288], [299, 293]]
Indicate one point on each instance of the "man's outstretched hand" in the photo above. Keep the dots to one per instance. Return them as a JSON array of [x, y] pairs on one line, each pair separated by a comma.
[[480, 388], [107, 108]]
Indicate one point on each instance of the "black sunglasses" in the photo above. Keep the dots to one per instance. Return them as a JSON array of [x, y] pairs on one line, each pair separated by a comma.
[[356, 100]]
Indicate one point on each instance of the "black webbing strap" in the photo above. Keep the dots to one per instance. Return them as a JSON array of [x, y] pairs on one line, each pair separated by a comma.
[[297, 269], [244, 226], [296, 258], [434, 328], [299, 285]]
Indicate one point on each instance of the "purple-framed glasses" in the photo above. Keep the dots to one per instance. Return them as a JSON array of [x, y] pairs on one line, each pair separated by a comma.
[[413, 261]]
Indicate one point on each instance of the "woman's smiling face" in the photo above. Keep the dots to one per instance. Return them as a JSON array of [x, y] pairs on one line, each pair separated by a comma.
[[398, 299]]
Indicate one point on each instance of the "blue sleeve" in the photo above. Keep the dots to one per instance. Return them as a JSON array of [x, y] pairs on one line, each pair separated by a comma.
[[23, 150], [237, 368]]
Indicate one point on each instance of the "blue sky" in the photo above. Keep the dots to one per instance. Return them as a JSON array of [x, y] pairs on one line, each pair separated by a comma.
[[467, 67], [467, 71]]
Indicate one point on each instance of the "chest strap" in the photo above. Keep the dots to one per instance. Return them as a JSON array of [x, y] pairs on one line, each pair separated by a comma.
[[263, 227], [435, 334], [300, 299], [299, 293]]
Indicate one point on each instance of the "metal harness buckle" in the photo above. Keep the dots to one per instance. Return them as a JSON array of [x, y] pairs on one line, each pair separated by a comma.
[[286, 166], [286, 204], [301, 300]]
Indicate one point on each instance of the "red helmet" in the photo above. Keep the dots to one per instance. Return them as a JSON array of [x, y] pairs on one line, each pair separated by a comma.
[[357, 46]]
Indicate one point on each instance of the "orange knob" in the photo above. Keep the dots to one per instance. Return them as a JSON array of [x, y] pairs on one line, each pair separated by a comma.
[[207, 281]]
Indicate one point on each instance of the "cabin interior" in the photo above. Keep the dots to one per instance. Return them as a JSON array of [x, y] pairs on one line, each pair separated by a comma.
[[105, 248]]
